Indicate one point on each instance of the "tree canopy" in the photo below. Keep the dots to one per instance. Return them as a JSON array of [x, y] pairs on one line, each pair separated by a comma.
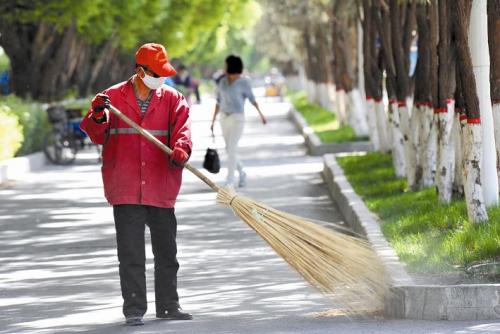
[[108, 31]]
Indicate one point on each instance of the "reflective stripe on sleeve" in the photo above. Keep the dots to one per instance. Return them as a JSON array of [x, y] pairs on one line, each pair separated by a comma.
[[132, 131]]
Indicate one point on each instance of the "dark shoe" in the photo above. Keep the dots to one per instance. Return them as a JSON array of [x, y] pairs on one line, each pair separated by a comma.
[[174, 314], [134, 321]]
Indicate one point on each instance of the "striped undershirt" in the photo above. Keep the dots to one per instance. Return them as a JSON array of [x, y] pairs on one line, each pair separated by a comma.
[[143, 105]]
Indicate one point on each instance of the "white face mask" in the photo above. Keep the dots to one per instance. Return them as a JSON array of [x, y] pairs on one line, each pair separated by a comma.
[[152, 82]]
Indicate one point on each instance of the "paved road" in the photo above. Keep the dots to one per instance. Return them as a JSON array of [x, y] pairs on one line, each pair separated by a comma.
[[58, 266]]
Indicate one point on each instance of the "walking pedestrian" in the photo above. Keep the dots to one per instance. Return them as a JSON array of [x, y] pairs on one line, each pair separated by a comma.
[[140, 181], [232, 91], [184, 80]]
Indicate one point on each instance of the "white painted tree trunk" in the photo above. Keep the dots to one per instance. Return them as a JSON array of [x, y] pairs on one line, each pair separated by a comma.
[[478, 44], [372, 123], [457, 133], [302, 77], [473, 156], [409, 148], [311, 91], [293, 82], [340, 106], [417, 122], [428, 136], [389, 113], [364, 131], [496, 126], [324, 96], [382, 130], [398, 155], [317, 93], [331, 97], [446, 153], [361, 60], [320, 98], [357, 114]]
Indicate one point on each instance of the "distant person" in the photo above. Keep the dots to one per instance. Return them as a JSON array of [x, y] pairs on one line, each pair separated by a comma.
[[184, 79], [232, 91], [4, 83], [140, 182], [219, 74], [169, 82]]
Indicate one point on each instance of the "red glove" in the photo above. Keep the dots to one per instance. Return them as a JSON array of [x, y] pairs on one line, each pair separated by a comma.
[[179, 156], [99, 104]]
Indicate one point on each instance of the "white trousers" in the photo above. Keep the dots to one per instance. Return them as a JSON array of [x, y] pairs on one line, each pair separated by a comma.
[[232, 128]]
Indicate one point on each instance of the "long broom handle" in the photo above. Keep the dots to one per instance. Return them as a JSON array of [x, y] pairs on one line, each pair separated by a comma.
[[163, 147]]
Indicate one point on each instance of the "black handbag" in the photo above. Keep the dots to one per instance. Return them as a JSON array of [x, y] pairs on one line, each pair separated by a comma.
[[212, 162]]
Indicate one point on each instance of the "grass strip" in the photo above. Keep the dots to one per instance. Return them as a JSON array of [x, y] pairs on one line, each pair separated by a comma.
[[428, 236], [322, 121]]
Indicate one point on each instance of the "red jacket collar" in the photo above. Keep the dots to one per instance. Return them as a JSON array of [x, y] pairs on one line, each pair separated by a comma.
[[128, 93]]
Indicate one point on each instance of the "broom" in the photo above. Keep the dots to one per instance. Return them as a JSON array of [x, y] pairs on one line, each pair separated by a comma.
[[343, 267]]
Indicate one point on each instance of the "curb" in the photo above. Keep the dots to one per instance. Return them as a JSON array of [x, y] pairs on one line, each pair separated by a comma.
[[410, 301], [314, 145], [16, 168]]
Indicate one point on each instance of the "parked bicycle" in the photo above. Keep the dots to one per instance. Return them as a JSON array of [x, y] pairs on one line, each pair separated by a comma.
[[66, 139]]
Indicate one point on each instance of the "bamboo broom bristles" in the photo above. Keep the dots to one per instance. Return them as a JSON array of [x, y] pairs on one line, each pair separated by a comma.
[[343, 267]]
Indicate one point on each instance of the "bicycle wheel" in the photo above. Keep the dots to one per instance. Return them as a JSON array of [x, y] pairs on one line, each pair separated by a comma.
[[59, 148]]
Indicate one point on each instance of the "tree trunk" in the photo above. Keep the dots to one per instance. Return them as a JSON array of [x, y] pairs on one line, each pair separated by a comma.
[[398, 155], [323, 68], [395, 134], [373, 75], [478, 43], [429, 139], [58, 61], [458, 132], [361, 61], [372, 123], [473, 155], [344, 79], [310, 63], [382, 125], [494, 46], [473, 187], [446, 152], [445, 106], [340, 106], [357, 114], [47, 51], [105, 56], [422, 105], [401, 50], [428, 132]]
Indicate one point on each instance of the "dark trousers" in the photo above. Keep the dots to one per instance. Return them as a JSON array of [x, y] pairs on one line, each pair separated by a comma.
[[130, 223]]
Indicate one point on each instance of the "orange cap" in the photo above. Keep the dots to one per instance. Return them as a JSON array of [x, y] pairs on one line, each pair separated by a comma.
[[155, 57]]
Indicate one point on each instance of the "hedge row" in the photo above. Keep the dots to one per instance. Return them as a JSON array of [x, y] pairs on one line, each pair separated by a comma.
[[23, 126]]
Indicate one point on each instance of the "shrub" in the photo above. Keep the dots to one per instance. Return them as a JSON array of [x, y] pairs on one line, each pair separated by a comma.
[[4, 61], [33, 119], [11, 133]]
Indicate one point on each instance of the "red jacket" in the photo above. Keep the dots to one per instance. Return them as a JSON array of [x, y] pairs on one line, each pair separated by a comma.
[[134, 170]]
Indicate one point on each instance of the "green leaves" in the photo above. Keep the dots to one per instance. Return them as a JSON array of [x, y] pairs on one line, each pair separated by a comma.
[[181, 25], [11, 135]]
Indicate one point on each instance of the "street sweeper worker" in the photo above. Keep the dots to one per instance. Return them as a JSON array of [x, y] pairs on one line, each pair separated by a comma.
[[140, 181]]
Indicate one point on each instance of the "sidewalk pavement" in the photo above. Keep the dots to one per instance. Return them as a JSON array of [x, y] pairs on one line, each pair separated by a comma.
[[58, 266]]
